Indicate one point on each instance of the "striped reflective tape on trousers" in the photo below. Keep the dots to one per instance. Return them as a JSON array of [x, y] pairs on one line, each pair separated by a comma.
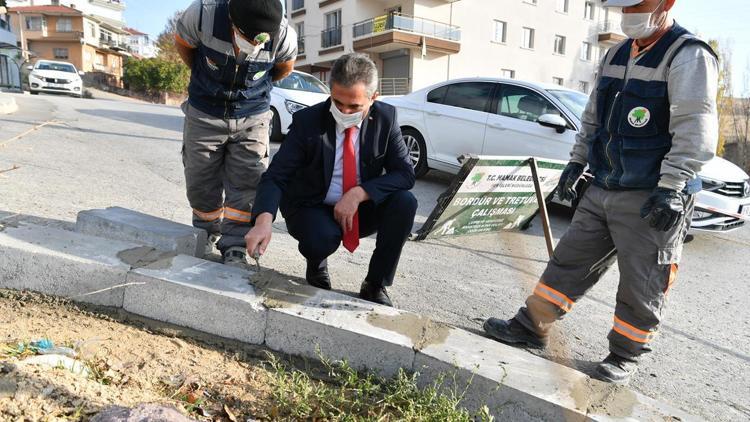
[[209, 216], [237, 215], [548, 293], [632, 333]]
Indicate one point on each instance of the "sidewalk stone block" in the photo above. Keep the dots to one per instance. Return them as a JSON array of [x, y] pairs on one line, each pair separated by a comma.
[[198, 294], [63, 263], [124, 224]]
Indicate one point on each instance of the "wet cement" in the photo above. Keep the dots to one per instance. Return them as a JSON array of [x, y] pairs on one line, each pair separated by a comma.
[[147, 257], [279, 290], [421, 330]]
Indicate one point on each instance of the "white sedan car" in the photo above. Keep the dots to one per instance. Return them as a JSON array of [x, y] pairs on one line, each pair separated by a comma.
[[493, 116], [297, 91], [57, 77]]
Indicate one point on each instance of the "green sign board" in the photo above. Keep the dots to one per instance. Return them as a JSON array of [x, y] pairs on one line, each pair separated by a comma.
[[491, 194]]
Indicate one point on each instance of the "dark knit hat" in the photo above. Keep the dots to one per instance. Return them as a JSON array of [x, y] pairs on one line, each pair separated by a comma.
[[252, 17]]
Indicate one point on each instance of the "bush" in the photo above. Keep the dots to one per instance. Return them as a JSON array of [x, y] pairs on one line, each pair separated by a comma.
[[156, 75]]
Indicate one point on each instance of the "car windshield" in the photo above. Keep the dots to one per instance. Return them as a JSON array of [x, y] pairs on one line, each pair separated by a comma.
[[572, 100], [301, 82], [60, 67]]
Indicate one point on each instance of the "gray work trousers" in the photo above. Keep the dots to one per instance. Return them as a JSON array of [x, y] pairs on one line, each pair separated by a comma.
[[608, 225], [223, 159]]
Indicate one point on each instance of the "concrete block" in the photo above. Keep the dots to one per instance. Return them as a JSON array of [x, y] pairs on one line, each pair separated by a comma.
[[124, 224], [198, 294], [7, 104], [314, 323], [519, 386], [63, 263]]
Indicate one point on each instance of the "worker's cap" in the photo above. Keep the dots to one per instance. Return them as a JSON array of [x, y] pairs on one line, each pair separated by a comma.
[[252, 17], [620, 3]]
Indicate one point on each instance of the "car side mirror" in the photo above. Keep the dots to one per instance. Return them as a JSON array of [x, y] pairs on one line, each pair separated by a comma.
[[553, 121], [29, 67]]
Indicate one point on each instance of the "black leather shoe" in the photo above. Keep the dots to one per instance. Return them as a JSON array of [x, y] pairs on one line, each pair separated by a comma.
[[317, 275], [375, 293], [512, 332], [616, 369]]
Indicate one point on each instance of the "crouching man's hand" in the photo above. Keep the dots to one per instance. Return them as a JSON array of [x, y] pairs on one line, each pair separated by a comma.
[[259, 236]]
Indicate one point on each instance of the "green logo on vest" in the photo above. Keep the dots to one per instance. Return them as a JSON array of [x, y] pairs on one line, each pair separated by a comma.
[[259, 75], [639, 117]]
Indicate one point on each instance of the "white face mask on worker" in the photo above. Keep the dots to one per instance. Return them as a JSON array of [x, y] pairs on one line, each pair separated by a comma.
[[345, 120], [641, 25], [245, 45]]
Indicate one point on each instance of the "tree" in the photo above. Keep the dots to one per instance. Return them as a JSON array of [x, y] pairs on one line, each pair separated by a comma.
[[723, 94], [165, 41]]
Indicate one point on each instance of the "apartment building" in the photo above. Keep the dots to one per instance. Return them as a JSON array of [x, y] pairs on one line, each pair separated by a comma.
[[416, 43], [140, 44], [92, 43], [9, 68]]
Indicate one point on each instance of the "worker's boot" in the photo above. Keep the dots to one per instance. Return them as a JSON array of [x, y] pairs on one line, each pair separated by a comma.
[[513, 332], [236, 256], [616, 369]]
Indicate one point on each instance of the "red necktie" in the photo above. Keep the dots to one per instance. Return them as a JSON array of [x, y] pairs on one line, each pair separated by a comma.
[[351, 237]]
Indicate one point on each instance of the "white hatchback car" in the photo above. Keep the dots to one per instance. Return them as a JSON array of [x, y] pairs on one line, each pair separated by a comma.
[[493, 116], [57, 77], [297, 91]]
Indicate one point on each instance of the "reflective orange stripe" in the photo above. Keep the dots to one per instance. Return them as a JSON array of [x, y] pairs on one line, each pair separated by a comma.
[[237, 215], [209, 216], [546, 292], [672, 276], [182, 41], [631, 332]]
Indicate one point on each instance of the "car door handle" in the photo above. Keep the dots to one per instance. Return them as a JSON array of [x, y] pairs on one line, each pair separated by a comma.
[[498, 126], [432, 113]]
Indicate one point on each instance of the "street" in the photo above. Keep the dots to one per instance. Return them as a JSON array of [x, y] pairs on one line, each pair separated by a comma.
[[100, 153]]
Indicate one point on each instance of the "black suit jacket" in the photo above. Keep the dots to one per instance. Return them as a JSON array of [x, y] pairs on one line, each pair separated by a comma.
[[300, 172]]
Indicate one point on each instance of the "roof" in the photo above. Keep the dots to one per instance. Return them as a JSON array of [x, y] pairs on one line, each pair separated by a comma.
[[51, 10], [134, 31]]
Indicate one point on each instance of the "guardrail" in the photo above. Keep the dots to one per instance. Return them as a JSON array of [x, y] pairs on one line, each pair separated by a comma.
[[330, 37], [407, 23]]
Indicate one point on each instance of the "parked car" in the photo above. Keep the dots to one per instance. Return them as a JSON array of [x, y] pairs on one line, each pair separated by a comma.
[[57, 77], [493, 116], [290, 95]]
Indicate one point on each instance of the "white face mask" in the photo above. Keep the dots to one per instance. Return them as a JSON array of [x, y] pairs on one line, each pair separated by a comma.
[[245, 46], [346, 120], [641, 25]]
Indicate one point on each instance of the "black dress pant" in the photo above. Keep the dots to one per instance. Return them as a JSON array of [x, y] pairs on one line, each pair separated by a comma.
[[319, 235]]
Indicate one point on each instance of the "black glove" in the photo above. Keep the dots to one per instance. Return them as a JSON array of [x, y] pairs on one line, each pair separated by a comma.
[[664, 208], [570, 176]]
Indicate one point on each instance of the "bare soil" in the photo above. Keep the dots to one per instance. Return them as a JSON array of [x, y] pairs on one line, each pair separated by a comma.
[[130, 361]]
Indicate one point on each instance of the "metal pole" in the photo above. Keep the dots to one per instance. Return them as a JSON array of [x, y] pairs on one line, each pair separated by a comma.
[[542, 207]]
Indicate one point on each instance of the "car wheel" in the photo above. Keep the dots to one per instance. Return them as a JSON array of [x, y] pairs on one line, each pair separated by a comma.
[[274, 130], [34, 92], [417, 151]]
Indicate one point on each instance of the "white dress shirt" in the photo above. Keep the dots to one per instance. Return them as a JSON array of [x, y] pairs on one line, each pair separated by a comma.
[[335, 189]]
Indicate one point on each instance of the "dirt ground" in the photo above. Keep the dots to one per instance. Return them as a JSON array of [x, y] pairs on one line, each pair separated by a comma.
[[130, 362]]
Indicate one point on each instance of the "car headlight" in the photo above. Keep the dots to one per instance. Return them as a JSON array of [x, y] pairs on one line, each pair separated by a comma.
[[712, 185], [293, 107]]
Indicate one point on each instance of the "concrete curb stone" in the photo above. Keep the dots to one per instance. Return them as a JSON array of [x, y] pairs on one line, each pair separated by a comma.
[[7, 104]]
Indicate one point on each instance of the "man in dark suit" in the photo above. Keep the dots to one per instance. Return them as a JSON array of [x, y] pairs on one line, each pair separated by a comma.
[[342, 173]]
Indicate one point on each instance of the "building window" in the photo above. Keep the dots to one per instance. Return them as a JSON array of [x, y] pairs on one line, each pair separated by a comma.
[[589, 10], [558, 81], [298, 4], [587, 51], [508, 73], [528, 38], [300, 27], [92, 30], [60, 53], [331, 36], [559, 44], [562, 6], [501, 32], [583, 86], [34, 23], [64, 25]]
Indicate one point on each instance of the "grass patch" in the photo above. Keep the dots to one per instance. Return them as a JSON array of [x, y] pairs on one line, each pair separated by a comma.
[[350, 396]]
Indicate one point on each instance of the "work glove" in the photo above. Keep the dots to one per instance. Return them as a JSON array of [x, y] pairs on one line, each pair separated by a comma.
[[664, 208], [570, 176]]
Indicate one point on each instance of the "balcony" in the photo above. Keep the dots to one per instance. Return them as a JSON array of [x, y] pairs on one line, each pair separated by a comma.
[[396, 31], [609, 33], [112, 44], [330, 40], [55, 35], [112, 4]]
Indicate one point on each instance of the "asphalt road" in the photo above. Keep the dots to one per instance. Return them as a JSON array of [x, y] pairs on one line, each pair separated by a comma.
[[99, 153]]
